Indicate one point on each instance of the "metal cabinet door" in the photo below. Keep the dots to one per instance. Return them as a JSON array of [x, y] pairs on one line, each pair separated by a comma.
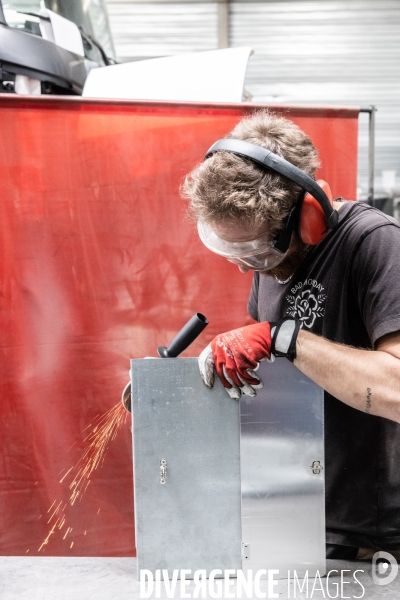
[[282, 460], [193, 520]]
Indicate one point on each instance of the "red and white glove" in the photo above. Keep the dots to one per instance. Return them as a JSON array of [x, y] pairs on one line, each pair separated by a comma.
[[236, 355]]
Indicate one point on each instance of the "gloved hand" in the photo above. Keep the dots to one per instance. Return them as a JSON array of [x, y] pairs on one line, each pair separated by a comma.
[[236, 355]]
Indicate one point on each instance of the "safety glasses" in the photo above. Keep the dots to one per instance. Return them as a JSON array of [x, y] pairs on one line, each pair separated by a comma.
[[260, 254]]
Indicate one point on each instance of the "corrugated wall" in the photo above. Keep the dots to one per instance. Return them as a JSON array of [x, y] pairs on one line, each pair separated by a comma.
[[150, 29], [318, 52], [322, 52]]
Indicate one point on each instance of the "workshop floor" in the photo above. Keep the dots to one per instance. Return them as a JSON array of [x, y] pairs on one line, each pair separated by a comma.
[[32, 578]]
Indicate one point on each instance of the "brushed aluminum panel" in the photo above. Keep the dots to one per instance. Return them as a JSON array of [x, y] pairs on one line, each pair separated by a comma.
[[193, 521], [283, 507], [211, 502]]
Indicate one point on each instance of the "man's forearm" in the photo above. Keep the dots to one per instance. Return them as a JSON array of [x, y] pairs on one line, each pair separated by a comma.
[[366, 380]]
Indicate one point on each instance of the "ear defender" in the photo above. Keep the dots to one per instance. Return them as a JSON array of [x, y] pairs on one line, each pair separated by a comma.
[[312, 225], [317, 214]]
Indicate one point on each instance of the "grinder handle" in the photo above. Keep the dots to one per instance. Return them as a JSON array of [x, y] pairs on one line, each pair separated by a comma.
[[181, 341], [185, 337]]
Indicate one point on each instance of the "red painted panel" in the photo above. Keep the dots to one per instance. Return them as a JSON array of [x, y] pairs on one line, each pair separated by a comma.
[[97, 265]]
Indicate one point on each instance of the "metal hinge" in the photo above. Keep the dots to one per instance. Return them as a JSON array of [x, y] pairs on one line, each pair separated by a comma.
[[316, 467], [163, 471], [245, 551]]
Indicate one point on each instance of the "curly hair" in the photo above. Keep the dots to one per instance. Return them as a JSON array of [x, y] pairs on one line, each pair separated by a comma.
[[230, 187]]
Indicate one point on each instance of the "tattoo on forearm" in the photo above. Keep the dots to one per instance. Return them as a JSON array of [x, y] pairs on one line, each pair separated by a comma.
[[369, 401]]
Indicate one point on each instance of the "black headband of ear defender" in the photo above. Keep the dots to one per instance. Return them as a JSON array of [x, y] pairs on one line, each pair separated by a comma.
[[269, 160]]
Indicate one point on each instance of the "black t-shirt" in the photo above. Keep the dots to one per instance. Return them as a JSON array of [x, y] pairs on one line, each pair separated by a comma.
[[348, 290]]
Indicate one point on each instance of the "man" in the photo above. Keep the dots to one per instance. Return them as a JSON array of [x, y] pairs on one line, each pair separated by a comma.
[[332, 307]]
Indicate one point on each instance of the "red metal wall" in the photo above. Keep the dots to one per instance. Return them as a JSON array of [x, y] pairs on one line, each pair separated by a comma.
[[97, 265]]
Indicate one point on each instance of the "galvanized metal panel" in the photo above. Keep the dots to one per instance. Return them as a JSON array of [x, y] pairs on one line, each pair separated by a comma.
[[283, 503], [193, 520], [196, 431]]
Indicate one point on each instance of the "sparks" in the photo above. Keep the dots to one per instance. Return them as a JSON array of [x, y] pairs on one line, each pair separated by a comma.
[[74, 443], [64, 476], [86, 428], [55, 512], [104, 431], [48, 536]]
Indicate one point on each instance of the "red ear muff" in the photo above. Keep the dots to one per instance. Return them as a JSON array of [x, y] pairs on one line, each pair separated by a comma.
[[312, 219]]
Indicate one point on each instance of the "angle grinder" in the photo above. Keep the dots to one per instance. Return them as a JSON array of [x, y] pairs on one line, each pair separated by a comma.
[[189, 332]]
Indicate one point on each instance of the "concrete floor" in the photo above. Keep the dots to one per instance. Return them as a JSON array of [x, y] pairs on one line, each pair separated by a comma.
[[23, 578]]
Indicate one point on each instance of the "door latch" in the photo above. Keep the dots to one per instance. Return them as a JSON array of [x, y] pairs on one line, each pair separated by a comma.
[[316, 467], [163, 471]]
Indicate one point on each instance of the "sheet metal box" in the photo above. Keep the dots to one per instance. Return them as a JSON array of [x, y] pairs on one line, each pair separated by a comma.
[[223, 484]]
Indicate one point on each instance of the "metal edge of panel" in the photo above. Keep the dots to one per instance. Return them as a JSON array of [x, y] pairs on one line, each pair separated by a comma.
[[133, 479], [320, 111]]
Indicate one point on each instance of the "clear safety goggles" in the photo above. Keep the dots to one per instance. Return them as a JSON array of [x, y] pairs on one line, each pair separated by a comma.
[[259, 254]]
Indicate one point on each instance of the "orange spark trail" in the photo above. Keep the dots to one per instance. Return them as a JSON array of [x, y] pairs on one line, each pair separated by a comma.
[[99, 438], [48, 536], [104, 431], [64, 476], [55, 512]]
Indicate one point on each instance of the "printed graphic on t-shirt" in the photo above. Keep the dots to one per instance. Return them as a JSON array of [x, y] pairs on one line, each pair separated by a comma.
[[307, 302]]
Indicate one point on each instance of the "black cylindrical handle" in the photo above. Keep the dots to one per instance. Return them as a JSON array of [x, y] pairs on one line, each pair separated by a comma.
[[181, 341], [185, 337]]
